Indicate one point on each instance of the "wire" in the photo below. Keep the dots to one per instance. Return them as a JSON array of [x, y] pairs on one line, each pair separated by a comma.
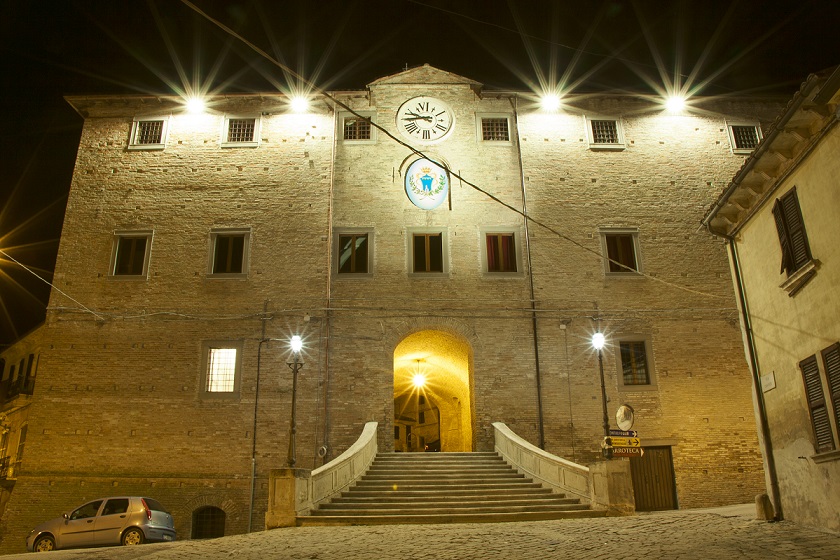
[[421, 154]]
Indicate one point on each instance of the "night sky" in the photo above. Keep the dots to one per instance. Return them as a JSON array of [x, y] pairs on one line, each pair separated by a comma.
[[52, 48]]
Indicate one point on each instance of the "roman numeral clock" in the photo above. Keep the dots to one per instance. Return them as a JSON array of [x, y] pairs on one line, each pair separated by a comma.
[[425, 119]]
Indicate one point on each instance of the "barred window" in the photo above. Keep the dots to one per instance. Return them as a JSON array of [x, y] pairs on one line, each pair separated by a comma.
[[241, 130], [634, 363], [495, 129], [604, 132], [356, 128], [221, 370], [744, 137], [149, 132]]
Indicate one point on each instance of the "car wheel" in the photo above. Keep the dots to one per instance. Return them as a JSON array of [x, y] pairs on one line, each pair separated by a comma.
[[44, 544], [132, 536]]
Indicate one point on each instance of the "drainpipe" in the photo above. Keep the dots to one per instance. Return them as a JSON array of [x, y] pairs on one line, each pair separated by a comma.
[[254, 430], [756, 382], [541, 444]]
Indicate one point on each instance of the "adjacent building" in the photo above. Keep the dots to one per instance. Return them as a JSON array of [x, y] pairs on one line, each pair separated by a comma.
[[779, 216], [387, 228]]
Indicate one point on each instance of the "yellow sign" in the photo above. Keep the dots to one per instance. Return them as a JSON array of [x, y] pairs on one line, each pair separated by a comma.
[[626, 442]]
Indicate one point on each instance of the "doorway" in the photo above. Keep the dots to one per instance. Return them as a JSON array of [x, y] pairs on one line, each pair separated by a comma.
[[653, 480], [433, 408]]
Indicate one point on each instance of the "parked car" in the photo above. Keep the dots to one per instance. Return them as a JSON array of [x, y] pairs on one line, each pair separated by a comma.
[[125, 520]]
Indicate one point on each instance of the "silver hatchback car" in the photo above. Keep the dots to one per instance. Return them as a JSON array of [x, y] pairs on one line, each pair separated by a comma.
[[125, 520]]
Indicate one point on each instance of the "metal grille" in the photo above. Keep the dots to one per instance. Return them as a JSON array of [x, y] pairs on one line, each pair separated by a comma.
[[241, 130], [356, 129], [604, 132], [746, 137], [149, 132], [495, 130], [221, 370]]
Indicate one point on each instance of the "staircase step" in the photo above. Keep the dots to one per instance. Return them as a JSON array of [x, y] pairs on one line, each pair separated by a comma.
[[484, 503], [323, 520]]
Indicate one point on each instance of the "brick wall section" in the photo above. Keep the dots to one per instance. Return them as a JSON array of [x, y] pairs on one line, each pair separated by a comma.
[[119, 399]]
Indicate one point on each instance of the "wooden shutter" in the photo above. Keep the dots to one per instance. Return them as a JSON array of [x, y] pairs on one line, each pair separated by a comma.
[[791, 229], [816, 404], [831, 360]]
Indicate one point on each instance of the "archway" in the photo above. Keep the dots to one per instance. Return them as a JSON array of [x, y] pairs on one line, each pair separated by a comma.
[[208, 523], [433, 393]]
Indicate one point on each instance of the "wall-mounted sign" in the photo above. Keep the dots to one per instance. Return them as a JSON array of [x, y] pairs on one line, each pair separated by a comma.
[[426, 184]]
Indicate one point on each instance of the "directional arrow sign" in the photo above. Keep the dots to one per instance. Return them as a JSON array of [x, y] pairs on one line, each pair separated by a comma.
[[624, 433], [626, 442], [627, 451]]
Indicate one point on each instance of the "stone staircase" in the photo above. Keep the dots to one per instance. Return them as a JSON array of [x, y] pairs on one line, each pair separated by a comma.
[[402, 488]]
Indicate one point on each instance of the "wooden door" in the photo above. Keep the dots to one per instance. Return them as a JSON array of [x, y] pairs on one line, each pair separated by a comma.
[[653, 480]]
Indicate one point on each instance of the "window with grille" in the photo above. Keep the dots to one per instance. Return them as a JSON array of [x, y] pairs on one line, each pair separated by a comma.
[[824, 413], [208, 522], [230, 252], [501, 252], [356, 128], [744, 137], [148, 134], [241, 132], [353, 253], [791, 229], [222, 367], [606, 134], [495, 129], [427, 253], [131, 254], [634, 363], [621, 251]]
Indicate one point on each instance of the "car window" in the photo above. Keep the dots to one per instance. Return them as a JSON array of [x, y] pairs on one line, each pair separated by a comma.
[[87, 510], [115, 505], [154, 505]]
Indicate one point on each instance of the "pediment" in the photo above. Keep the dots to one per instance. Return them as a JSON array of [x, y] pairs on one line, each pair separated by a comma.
[[426, 75]]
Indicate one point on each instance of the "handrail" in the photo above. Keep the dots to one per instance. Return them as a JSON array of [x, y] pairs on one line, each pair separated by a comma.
[[344, 470]]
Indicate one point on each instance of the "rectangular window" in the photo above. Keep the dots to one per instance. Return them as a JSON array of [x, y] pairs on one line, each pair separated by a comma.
[[791, 229], [356, 128], [621, 249], [421, 417], [396, 432], [427, 252], [241, 132], [221, 370], [831, 363], [634, 363], [820, 418], [21, 444], [495, 129], [353, 253], [743, 138], [148, 134], [501, 252], [229, 253], [131, 254], [605, 134]]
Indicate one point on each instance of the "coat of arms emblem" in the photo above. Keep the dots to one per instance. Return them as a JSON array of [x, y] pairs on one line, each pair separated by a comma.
[[426, 184]]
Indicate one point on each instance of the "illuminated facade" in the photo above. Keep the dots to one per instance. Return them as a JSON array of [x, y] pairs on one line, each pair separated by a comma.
[[199, 244]]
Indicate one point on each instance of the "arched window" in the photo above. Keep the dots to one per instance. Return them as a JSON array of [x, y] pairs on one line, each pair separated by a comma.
[[208, 523]]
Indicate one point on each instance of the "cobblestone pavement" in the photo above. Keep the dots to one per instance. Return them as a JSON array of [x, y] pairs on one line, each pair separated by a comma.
[[722, 533]]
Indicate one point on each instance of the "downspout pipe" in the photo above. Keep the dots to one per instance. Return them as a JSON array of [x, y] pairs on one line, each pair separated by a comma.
[[775, 496], [540, 416]]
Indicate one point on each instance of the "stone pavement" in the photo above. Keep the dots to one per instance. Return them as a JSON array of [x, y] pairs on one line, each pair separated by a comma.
[[711, 534]]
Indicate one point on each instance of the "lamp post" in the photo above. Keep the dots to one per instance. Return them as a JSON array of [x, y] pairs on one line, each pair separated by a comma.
[[296, 344], [598, 343]]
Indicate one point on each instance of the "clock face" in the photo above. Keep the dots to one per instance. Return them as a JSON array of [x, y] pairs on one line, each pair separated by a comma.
[[425, 119]]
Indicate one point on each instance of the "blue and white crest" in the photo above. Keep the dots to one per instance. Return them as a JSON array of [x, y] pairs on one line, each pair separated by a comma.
[[426, 184]]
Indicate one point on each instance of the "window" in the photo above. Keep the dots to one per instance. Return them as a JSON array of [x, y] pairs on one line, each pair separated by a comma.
[[494, 128], [396, 432], [621, 249], [791, 229], [634, 358], [241, 132], [421, 417], [21, 444], [743, 138], [222, 364], [604, 134], [427, 252], [208, 523], [131, 254], [500, 252], [354, 252], [115, 506], [358, 129], [148, 134], [825, 414], [86, 511], [229, 256]]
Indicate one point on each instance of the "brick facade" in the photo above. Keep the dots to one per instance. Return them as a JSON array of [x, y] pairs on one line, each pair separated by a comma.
[[120, 406]]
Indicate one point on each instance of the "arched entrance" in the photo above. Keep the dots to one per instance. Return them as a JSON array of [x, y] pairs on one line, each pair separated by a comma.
[[208, 523], [433, 393]]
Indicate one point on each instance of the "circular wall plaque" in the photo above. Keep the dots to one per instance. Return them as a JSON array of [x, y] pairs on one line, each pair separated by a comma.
[[426, 184]]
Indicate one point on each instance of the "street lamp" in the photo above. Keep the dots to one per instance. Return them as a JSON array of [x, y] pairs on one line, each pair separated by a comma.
[[296, 344], [598, 343]]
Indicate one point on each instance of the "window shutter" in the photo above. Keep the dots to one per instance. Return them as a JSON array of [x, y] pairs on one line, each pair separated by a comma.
[[800, 251], [784, 240], [816, 404], [831, 359]]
